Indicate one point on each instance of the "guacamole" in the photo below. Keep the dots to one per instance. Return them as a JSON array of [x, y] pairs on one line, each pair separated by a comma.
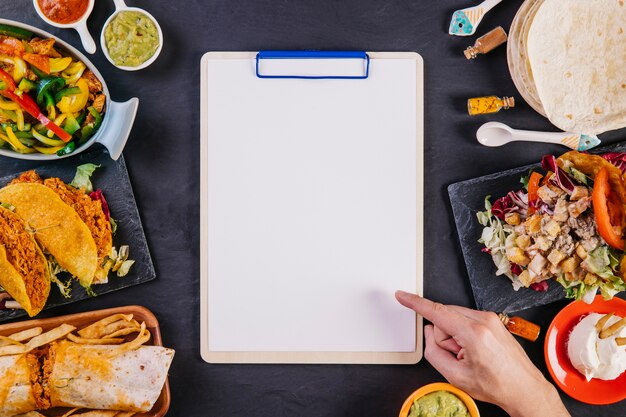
[[131, 38], [438, 404]]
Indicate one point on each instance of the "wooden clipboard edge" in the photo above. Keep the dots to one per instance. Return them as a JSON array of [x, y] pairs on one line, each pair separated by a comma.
[[286, 357]]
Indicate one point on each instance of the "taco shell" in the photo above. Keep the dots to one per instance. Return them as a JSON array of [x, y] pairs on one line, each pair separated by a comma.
[[24, 272], [58, 228]]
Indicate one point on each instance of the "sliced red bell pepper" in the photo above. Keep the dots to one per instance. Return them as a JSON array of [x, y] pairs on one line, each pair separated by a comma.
[[29, 105], [533, 186], [602, 207]]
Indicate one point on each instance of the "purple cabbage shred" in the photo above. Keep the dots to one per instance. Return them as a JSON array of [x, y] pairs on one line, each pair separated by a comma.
[[616, 158], [560, 177]]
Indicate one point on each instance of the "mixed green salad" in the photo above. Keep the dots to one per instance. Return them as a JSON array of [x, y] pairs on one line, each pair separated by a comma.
[[566, 223]]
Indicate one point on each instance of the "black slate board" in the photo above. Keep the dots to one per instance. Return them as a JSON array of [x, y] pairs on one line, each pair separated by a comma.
[[491, 292], [112, 178]]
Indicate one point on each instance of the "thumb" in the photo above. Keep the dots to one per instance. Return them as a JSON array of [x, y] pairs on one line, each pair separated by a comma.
[[442, 360]]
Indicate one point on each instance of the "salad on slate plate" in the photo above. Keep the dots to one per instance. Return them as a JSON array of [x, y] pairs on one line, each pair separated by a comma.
[[566, 223]]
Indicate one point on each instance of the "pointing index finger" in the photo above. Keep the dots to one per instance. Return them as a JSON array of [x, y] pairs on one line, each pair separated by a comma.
[[448, 320]]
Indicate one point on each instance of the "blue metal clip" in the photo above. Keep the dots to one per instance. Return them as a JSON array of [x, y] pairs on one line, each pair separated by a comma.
[[314, 55]]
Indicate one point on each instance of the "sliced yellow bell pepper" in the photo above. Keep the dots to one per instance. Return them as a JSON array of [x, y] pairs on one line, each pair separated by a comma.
[[73, 72], [45, 140], [59, 64], [20, 119], [49, 151], [19, 70], [8, 105], [75, 102], [15, 142]]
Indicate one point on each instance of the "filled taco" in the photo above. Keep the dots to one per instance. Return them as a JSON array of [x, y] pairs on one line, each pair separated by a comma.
[[24, 271], [57, 228], [90, 212]]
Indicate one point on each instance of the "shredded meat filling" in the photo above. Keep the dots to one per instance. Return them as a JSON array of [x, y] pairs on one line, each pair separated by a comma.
[[24, 255]]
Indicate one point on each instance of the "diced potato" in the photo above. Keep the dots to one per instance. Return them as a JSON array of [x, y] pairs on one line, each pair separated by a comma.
[[512, 218], [525, 278], [581, 252], [517, 255], [556, 256], [523, 241], [570, 264], [553, 228], [590, 278], [533, 224]]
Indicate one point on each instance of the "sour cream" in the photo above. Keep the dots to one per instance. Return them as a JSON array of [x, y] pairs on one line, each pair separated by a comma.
[[594, 357]]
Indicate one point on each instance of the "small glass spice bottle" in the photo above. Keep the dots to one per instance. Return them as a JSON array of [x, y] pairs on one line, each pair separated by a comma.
[[520, 327], [486, 43], [488, 104]]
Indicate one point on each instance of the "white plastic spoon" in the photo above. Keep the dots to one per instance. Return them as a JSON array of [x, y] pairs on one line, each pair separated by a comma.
[[498, 134]]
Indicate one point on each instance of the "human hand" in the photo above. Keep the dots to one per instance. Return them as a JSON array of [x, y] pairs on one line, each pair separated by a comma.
[[474, 351]]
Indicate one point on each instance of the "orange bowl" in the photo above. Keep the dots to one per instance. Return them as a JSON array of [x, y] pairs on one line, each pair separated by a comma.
[[440, 386], [572, 382]]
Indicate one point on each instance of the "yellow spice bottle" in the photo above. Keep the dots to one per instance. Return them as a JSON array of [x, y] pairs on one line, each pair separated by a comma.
[[489, 104]]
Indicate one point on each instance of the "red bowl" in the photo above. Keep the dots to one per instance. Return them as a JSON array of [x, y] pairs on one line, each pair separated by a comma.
[[572, 382]]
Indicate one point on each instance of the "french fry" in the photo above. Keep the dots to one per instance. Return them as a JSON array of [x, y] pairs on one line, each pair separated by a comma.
[[104, 341], [95, 330], [143, 336], [621, 341], [50, 336], [6, 341], [12, 350], [69, 413], [26, 334], [102, 413], [124, 332], [613, 329], [600, 324]]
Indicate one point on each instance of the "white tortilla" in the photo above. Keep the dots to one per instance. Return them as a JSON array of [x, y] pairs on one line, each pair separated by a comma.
[[16, 393], [577, 52], [87, 376]]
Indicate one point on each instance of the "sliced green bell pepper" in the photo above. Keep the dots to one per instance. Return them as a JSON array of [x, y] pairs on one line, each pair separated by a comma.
[[49, 86], [68, 149], [27, 85], [19, 33], [71, 125], [66, 92]]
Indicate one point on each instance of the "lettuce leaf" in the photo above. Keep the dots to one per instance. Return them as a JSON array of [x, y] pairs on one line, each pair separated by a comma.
[[82, 179]]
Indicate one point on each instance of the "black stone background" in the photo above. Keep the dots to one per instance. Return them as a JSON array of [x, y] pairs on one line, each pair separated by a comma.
[[163, 163]]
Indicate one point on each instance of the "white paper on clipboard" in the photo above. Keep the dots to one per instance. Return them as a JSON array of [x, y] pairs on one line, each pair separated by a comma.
[[311, 213]]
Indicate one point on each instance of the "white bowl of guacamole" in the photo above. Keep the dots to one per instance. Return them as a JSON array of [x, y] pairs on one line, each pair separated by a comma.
[[131, 38]]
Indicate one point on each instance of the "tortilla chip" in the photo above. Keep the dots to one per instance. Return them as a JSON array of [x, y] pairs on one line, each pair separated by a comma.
[[57, 226]]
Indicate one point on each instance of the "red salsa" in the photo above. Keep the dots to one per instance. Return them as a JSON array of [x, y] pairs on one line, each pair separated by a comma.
[[63, 11]]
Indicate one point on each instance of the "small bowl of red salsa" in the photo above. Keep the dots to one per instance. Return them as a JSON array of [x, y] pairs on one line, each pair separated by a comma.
[[71, 14]]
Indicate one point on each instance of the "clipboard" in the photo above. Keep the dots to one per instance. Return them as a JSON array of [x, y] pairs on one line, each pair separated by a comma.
[[311, 206]]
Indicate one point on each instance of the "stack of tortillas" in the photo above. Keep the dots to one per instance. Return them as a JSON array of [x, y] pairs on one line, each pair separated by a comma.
[[568, 60]]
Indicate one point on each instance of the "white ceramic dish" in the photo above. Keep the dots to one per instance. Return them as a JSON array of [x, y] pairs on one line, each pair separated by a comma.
[[120, 7], [118, 119], [80, 26]]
